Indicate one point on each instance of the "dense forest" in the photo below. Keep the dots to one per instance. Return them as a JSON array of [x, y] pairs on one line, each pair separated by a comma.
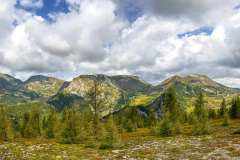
[[73, 126], [107, 117]]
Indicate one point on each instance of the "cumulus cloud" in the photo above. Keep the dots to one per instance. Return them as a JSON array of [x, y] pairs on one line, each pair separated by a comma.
[[6, 12], [35, 4], [77, 37], [94, 37], [186, 9]]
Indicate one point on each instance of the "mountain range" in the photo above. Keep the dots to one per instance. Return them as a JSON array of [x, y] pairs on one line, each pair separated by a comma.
[[121, 88]]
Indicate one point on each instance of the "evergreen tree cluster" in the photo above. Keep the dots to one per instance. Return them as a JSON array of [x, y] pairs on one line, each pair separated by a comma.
[[70, 127], [201, 122], [235, 108], [88, 127], [172, 112]]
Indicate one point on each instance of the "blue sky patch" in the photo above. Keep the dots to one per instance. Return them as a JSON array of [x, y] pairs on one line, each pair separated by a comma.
[[49, 6], [133, 13], [130, 11], [205, 30], [237, 7]]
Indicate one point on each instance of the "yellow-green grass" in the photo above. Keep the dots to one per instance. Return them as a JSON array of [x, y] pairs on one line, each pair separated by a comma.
[[141, 100], [138, 145], [210, 102]]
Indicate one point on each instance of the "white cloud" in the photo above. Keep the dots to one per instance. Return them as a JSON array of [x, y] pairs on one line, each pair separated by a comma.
[[6, 12], [93, 38], [77, 37], [195, 10], [31, 3]]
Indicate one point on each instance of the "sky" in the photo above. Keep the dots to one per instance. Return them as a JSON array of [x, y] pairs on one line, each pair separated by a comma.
[[153, 39]]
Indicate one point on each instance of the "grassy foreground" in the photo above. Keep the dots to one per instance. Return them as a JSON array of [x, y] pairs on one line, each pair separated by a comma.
[[220, 144]]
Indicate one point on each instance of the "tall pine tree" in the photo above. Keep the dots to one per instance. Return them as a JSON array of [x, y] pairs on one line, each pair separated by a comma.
[[170, 123], [5, 126], [201, 124], [223, 108], [50, 125], [31, 124], [235, 108], [69, 132]]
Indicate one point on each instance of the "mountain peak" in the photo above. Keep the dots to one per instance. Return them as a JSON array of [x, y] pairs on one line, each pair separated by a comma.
[[194, 83], [199, 76], [8, 82], [43, 85], [191, 78], [7, 77], [40, 78]]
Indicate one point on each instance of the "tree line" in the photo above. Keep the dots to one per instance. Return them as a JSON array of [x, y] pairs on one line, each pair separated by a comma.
[[91, 129]]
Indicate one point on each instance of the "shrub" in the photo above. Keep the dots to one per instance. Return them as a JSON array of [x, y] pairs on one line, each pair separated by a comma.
[[212, 113], [225, 119], [166, 128], [130, 126], [201, 128]]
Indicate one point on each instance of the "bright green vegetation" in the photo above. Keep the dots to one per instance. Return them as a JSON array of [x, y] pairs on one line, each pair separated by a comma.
[[220, 144], [119, 117], [43, 86], [142, 100], [192, 85], [86, 134], [36, 88]]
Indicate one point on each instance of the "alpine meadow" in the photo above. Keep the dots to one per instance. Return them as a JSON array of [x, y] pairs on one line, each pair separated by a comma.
[[119, 80]]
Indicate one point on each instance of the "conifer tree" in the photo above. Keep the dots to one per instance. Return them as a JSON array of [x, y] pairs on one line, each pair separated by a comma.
[[31, 124], [201, 124], [170, 123], [223, 108], [111, 137], [86, 131], [98, 99], [235, 108], [225, 119], [69, 132], [26, 119], [172, 106], [166, 127], [96, 102], [200, 110], [50, 125], [35, 122], [5, 126], [152, 120]]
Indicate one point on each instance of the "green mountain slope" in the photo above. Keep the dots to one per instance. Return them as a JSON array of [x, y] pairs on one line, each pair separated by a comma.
[[191, 85], [117, 91], [132, 85], [79, 88], [10, 92], [44, 86], [8, 82], [14, 91]]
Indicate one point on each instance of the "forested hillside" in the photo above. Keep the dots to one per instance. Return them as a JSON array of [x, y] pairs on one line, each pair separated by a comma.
[[98, 112]]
